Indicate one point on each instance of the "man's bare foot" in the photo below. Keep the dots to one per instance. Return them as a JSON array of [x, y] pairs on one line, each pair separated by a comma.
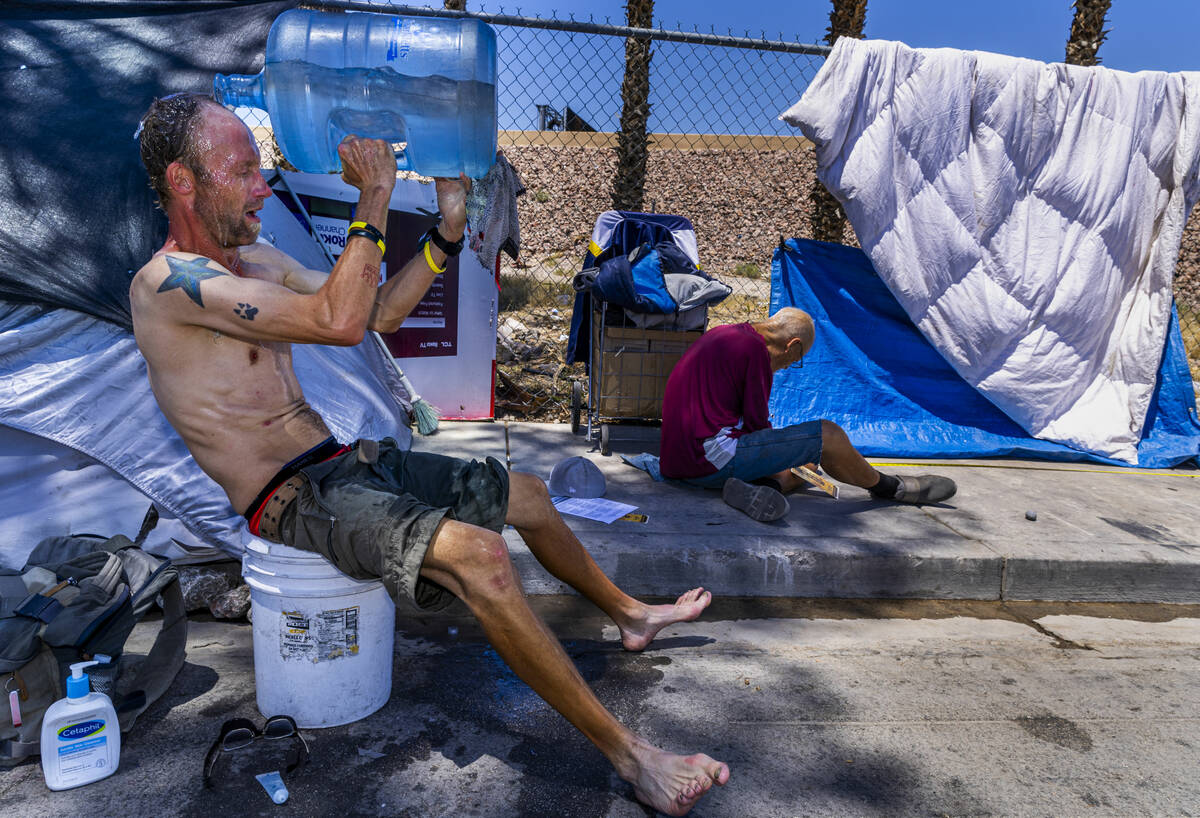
[[640, 629], [673, 784]]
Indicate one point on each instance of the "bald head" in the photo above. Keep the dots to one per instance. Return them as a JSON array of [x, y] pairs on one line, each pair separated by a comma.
[[789, 334], [791, 323]]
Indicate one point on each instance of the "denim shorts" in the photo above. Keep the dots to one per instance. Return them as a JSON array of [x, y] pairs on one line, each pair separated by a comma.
[[767, 452], [376, 520]]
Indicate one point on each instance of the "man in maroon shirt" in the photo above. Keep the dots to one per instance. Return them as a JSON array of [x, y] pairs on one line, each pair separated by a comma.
[[716, 432]]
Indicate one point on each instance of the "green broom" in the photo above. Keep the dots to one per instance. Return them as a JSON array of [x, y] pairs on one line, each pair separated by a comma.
[[424, 412]]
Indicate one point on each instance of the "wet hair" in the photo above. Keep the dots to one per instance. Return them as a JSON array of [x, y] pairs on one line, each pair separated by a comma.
[[167, 133]]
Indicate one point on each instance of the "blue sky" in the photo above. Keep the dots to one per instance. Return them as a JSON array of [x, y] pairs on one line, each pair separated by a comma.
[[1145, 34]]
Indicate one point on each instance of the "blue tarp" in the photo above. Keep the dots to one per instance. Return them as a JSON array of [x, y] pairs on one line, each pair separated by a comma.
[[873, 373]]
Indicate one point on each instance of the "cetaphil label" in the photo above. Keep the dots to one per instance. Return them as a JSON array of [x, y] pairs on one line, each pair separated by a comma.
[[83, 752]]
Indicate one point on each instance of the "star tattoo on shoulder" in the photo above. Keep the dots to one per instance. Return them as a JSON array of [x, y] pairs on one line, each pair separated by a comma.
[[245, 311], [186, 274]]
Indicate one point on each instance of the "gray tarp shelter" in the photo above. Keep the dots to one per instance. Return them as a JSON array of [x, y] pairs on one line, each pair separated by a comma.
[[77, 218]]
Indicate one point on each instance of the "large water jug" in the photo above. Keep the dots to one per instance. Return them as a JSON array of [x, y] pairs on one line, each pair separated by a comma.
[[425, 81]]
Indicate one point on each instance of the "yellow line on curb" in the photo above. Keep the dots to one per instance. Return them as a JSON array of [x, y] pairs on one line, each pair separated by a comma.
[[1163, 473]]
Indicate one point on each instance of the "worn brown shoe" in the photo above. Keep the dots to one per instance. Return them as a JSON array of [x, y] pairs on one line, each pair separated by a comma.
[[761, 503]]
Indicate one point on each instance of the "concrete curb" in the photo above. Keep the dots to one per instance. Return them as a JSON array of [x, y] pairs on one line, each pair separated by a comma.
[[1101, 534]]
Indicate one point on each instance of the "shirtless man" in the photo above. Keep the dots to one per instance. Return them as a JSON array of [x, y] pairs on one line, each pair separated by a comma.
[[215, 315]]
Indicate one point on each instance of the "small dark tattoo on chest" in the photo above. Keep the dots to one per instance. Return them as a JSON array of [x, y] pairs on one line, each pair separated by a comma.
[[246, 311]]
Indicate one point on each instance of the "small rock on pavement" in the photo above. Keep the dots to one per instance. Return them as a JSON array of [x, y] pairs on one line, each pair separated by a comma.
[[232, 604], [1031, 515]]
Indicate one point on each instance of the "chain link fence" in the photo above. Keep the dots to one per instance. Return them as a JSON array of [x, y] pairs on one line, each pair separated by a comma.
[[718, 155]]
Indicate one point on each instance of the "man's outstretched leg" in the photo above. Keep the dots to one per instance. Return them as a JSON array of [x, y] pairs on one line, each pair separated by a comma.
[[843, 463], [474, 564], [558, 549]]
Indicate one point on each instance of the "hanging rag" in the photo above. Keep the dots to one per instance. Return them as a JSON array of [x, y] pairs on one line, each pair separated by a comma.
[[492, 211]]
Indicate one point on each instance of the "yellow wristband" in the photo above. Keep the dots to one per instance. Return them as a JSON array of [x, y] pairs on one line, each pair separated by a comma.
[[370, 228], [429, 261], [367, 231]]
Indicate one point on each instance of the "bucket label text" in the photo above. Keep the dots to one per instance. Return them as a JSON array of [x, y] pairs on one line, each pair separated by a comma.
[[320, 637]]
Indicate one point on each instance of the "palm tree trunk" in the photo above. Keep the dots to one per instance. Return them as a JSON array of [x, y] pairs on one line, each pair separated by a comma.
[[629, 182], [828, 219], [1087, 31]]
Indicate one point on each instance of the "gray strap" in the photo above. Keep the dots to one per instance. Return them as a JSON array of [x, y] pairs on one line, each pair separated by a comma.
[[368, 451], [108, 577], [14, 748], [166, 657], [115, 543]]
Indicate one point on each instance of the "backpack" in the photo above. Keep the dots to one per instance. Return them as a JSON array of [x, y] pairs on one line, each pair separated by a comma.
[[78, 596], [635, 280]]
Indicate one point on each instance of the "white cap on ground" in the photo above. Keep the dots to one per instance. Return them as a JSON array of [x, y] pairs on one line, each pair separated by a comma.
[[577, 477]]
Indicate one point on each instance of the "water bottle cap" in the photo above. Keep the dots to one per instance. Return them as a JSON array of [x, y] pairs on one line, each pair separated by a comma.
[[244, 90]]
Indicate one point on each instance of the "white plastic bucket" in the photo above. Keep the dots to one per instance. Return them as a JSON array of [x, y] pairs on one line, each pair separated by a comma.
[[322, 641]]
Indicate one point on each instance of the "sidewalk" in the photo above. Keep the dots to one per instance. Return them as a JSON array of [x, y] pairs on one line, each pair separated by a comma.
[[1101, 533]]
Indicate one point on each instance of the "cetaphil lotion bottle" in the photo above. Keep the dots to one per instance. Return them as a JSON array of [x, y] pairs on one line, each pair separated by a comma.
[[81, 739]]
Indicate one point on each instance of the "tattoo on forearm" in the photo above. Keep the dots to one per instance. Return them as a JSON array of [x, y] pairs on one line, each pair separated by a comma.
[[245, 311], [370, 272], [186, 274]]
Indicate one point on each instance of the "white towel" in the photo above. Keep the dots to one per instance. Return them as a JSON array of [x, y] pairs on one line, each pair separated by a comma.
[[1027, 217]]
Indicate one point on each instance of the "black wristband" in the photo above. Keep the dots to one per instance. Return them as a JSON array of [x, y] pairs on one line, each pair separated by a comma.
[[367, 231], [450, 248], [375, 234], [367, 234]]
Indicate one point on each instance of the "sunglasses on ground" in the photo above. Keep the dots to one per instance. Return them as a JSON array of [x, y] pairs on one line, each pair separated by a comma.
[[237, 734]]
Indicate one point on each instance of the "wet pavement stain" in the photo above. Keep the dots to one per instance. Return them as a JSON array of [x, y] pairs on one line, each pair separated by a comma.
[[1056, 730], [562, 773], [884, 784], [450, 706]]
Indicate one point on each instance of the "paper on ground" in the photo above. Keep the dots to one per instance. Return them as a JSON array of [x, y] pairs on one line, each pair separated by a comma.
[[605, 511]]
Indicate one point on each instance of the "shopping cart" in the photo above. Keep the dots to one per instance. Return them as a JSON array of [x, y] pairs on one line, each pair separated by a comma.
[[641, 301]]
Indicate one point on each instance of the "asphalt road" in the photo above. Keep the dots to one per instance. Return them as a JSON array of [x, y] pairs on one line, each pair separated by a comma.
[[822, 708]]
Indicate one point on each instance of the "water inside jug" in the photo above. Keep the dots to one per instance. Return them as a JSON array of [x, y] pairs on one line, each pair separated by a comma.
[[426, 82]]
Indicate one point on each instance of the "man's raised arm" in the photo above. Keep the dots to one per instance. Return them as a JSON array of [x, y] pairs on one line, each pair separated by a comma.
[[348, 296], [404, 289], [401, 292], [336, 312]]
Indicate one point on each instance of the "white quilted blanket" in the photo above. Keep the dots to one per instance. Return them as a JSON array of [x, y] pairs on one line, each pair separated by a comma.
[[1027, 217]]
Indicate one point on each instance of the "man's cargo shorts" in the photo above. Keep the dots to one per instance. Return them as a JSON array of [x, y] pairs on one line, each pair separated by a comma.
[[377, 518]]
